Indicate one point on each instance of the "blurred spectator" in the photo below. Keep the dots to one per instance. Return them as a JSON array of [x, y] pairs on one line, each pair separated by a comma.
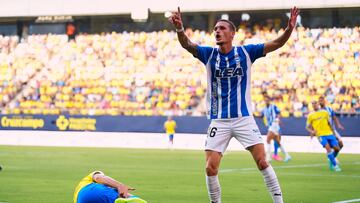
[[150, 74]]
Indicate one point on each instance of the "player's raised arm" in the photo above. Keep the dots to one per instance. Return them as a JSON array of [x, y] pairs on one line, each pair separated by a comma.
[[282, 39], [185, 42]]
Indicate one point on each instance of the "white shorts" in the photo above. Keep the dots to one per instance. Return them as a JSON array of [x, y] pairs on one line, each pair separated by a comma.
[[275, 128], [220, 132]]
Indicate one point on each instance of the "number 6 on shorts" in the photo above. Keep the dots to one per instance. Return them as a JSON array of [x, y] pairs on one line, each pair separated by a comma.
[[213, 132]]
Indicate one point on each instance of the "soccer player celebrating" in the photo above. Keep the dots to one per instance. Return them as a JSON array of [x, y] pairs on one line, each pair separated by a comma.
[[272, 114], [228, 98], [318, 125], [334, 121], [99, 188]]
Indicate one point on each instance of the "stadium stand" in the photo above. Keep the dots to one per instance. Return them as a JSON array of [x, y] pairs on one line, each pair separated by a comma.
[[133, 73]]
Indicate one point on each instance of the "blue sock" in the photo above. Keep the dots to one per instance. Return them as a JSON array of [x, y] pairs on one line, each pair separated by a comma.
[[276, 147], [331, 158]]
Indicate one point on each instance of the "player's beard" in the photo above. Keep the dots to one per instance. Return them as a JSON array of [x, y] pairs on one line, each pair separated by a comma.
[[219, 43]]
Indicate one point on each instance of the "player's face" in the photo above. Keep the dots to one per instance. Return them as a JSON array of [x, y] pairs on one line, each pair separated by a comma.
[[315, 106], [223, 33], [322, 101]]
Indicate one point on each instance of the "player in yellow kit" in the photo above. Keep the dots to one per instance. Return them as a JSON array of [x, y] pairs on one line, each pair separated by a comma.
[[99, 188], [169, 127], [318, 124]]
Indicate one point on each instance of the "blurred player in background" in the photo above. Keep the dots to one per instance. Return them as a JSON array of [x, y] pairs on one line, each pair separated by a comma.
[[334, 121], [169, 127], [229, 99], [99, 188], [318, 124], [275, 156], [272, 115]]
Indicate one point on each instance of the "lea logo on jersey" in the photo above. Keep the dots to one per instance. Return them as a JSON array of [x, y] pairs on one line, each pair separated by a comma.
[[229, 72]]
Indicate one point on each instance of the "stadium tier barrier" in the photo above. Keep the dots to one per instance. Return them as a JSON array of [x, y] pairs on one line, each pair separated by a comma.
[[149, 124]]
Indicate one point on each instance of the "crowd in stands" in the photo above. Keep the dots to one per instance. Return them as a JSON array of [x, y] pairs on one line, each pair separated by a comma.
[[150, 74]]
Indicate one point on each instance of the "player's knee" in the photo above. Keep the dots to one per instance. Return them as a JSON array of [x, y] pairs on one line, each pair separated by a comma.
[[211, 170], [261, 164], [268, 139]]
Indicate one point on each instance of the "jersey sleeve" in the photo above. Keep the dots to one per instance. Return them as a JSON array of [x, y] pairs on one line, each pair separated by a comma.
[[277, 110], [255, 51], [94, 173], [203, 53]]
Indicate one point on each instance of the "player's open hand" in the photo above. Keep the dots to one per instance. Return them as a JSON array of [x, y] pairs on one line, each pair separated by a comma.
[[294, 12], [123, 190], [175, 19]]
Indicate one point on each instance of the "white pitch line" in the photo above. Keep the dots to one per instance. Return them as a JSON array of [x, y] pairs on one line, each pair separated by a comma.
[[280, 167], [275, 167], [308, 175], [347, 201], [322, 175]]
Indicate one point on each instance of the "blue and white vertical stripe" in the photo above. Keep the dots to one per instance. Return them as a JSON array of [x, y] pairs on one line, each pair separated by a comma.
[[271, 112], [331, 114], [229, 79]]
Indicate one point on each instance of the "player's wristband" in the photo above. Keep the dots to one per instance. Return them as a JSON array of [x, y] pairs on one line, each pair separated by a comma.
[[180, 30]]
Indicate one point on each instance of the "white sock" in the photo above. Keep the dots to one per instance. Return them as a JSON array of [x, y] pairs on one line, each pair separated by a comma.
[[283, 150], [268, 152], [272, 184], [214, 189]]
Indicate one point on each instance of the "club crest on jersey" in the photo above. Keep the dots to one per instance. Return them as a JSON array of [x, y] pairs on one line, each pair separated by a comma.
[[229, 72]]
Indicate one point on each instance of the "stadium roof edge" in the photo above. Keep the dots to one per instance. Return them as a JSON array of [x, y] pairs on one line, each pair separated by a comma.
[[22, 8]]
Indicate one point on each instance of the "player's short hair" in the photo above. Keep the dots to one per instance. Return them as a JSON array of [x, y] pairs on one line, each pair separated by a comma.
[[231, 24]]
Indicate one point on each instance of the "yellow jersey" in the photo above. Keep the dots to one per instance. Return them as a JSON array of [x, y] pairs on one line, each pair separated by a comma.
[[319, 120], [84, 182], [170, 127]]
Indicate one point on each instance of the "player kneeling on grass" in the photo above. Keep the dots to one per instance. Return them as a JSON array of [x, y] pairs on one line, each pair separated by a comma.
[[99, 188]]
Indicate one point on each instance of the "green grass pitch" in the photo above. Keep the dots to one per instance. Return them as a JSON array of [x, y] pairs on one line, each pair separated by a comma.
[[49, 175]]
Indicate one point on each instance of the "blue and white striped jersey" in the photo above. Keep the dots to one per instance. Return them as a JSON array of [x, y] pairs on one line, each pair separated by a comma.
[[271, 112], [331, 115], [229, 80]]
